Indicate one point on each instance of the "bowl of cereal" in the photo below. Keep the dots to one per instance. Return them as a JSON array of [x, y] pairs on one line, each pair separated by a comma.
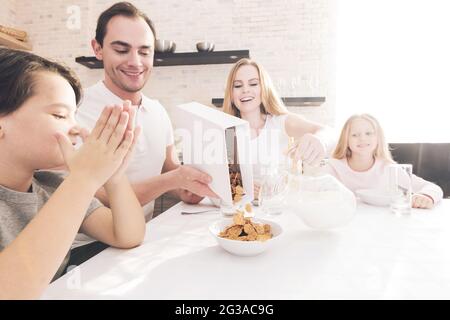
[[245, 236]]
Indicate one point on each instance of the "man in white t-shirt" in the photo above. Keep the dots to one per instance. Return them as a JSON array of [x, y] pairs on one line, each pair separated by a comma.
[[124, 41]]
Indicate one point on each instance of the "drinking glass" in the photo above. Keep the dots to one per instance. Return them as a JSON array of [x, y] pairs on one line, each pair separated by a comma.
[[272, 192], [400, 188]]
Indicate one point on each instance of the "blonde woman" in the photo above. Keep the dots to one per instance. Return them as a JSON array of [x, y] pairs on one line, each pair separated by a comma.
[[250, 95], [362, 157]]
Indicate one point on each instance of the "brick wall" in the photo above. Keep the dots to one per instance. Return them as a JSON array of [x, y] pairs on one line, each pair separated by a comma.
[[8, 12], [293, 39]]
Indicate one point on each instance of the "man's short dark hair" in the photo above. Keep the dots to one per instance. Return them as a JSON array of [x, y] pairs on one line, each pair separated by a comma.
[[17, 77], [125, 9]]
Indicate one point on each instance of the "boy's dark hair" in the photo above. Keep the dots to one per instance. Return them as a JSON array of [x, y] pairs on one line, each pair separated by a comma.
[[125, 9], [17, 77]]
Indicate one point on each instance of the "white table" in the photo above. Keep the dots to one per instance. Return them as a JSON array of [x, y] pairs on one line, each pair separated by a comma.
[[377, 256]]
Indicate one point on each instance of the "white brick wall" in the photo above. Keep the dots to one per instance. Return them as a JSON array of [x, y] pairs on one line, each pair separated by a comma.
[[293, 39], [8, 12]]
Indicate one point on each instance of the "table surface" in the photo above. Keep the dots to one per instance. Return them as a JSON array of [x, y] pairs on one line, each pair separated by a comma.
[[378, 255]]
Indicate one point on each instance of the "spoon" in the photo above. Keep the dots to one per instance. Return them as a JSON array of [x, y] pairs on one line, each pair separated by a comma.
[[202, 211]]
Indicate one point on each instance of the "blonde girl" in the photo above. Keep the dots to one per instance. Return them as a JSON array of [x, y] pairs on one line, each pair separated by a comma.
[[362, 157]]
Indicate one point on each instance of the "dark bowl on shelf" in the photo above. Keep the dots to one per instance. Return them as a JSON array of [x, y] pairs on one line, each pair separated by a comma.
[[205, 46], [163, 46]]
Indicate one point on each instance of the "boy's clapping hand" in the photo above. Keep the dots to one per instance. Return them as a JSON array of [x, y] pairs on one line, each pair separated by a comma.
[[131, 128], [104, 151]]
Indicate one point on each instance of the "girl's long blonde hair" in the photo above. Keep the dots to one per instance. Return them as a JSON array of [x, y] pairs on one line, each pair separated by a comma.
[[382, 150], [270, 101]]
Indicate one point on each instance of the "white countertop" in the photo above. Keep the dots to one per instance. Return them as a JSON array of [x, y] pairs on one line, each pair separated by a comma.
[[377, 256]]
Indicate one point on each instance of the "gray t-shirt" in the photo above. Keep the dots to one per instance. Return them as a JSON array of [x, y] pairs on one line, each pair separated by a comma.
[[17, 209]]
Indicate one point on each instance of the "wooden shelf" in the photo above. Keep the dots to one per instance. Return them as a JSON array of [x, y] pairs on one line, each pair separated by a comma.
[[288, 101], [13, 43], [179, 59]]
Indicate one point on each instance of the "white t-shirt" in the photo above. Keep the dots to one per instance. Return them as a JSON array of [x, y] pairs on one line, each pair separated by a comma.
[[269, 147], [157, 133]]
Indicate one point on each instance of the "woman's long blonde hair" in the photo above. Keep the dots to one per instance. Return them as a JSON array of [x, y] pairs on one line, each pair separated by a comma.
[[382, 150], [270, 101]]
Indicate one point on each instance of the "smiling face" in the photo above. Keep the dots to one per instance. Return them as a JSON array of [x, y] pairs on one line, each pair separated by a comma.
[[246, 92], [127, 53], [362, 139], [28, 134]]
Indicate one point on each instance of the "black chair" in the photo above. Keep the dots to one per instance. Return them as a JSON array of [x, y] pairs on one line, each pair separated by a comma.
[[430, 161]]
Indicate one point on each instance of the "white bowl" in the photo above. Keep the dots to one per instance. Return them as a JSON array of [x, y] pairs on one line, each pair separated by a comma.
[[374, 197], [244, 248]]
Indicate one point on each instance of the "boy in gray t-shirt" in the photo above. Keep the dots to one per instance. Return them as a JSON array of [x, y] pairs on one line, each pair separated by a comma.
[[17, 209], [41, 213]]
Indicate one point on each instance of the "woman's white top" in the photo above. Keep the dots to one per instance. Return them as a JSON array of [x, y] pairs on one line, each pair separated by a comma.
[[268, 149]]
